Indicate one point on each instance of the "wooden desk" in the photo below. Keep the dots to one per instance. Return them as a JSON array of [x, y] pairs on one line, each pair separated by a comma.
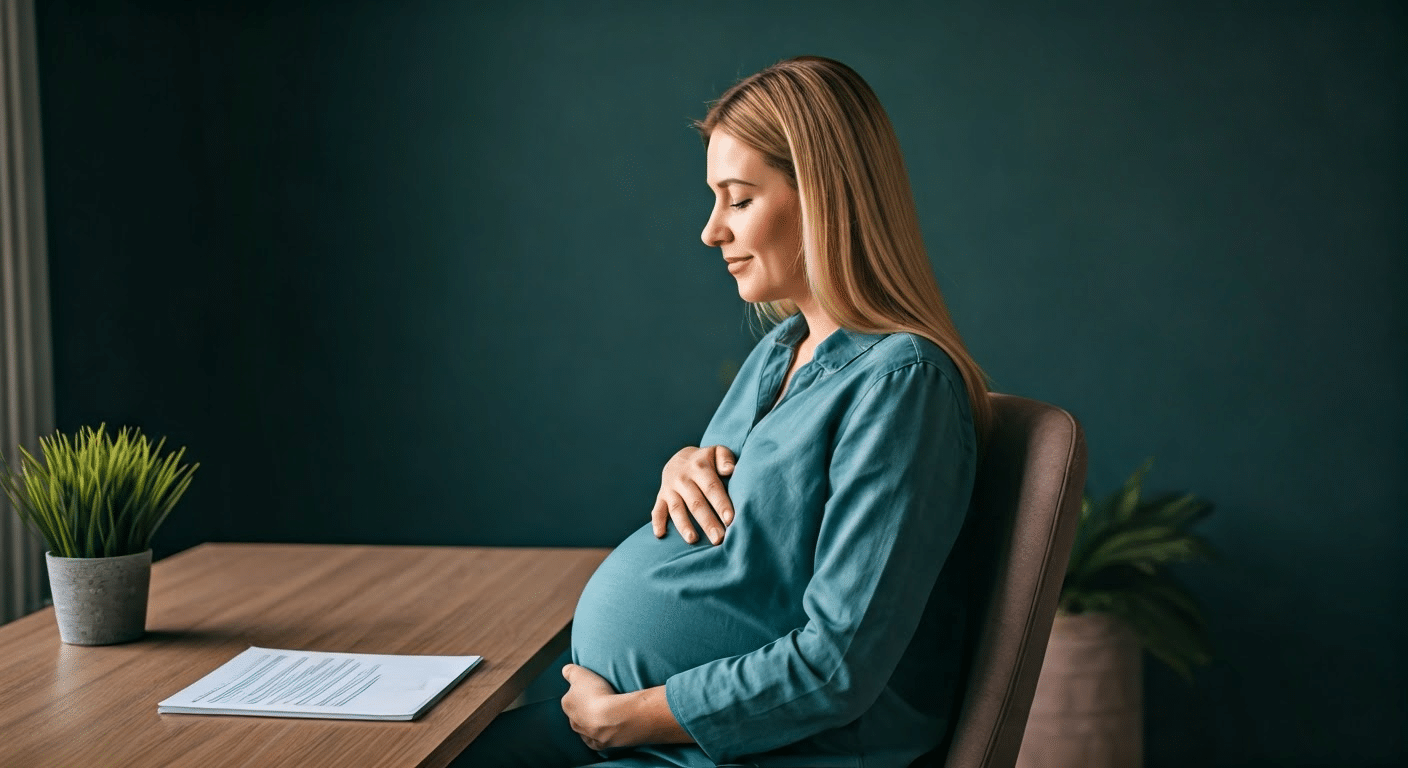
[[68, 705]]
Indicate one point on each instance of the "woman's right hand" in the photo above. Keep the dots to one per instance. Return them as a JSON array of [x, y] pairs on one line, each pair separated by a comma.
[[692, 486]]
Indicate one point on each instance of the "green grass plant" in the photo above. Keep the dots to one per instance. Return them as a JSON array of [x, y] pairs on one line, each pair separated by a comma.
[[93, 495], [1119, 566]]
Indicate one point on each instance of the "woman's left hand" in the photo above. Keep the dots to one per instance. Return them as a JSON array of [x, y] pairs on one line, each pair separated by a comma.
[[590, 709], [606, 719]]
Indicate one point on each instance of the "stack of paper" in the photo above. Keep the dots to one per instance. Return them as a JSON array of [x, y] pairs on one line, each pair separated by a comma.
[[357, 686]]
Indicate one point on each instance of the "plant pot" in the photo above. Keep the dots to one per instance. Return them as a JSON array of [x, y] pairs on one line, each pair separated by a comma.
[[100, 600], [1089, 708]]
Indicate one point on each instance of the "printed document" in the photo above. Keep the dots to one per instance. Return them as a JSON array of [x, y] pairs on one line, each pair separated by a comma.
[[268, 682]]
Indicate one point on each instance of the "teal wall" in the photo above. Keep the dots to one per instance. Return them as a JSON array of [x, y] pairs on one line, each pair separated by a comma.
[[427, 273]]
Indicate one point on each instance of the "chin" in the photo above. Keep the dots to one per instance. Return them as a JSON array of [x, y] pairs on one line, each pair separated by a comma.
[[753, 293], [753, 296]]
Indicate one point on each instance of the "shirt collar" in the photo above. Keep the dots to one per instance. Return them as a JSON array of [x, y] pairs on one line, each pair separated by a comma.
[[835, 351]]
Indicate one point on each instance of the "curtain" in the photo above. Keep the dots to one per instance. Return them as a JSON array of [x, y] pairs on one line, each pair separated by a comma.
[[26, 369]]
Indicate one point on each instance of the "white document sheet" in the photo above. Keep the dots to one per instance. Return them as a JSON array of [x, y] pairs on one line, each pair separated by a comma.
[[268, 682]]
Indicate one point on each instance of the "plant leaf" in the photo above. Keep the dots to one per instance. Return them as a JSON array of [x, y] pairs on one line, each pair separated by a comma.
[[89, 494], [1118, 565]]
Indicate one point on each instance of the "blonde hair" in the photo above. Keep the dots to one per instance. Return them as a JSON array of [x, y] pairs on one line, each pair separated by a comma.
[[817, 121]]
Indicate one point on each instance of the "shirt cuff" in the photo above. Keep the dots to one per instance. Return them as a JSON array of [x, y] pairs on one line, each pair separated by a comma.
[[689, 711]]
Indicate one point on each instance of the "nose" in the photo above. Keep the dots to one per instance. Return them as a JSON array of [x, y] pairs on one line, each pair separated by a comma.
[[715, 232]]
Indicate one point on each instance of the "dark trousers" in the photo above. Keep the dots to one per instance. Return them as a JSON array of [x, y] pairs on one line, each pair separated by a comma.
[[539, 736], [533, 736]]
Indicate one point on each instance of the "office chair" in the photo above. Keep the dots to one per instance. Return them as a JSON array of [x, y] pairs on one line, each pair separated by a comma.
[[1026, 504]]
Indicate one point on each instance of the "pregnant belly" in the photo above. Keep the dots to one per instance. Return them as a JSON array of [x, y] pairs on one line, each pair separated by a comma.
[[660, 606]]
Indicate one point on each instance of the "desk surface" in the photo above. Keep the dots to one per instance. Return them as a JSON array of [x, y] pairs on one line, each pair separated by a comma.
[[96, 706]]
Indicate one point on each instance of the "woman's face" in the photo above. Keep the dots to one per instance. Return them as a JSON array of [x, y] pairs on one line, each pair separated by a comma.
[[756, 222]]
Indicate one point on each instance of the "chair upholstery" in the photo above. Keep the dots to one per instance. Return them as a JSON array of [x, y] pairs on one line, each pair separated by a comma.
[[1026, 504]]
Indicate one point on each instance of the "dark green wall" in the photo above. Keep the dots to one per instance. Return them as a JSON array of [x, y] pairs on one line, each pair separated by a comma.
[[421, 272]]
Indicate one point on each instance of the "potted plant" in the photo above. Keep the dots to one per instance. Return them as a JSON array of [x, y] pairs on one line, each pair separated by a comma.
[[1117, 599], [96, 501]]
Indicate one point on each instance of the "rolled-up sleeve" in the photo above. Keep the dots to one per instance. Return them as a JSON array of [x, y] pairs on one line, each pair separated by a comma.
[[901, 475]]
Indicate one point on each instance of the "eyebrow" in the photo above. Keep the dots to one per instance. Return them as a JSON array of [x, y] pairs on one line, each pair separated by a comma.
[[726, 182]]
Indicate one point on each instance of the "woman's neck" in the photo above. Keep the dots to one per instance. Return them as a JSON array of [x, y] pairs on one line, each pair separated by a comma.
[[819, 325]]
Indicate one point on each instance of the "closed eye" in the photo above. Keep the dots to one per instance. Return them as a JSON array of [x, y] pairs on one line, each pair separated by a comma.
[[741, 204]]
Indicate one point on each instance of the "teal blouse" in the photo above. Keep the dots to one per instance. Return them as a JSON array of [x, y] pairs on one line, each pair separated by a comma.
[[826, 628]]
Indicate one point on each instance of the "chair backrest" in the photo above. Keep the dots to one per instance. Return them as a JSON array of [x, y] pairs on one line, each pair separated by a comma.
[[1026, 504]]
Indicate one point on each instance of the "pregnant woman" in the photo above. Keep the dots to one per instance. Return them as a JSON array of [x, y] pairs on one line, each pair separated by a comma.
[[806, 609]]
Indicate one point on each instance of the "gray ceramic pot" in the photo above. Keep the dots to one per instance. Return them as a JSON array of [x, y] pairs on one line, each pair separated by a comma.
[[100, 600]]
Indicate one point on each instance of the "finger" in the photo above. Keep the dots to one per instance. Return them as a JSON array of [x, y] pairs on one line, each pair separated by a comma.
[[723, 460], [658, 515], [679, 515], [703, 512], [717, 496], [568, 671]]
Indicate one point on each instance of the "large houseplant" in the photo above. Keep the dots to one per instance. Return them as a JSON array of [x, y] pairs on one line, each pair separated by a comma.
[[97, 500], [1117, 598]]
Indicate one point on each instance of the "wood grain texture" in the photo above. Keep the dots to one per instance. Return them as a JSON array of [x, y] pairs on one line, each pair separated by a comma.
[[64, 705]]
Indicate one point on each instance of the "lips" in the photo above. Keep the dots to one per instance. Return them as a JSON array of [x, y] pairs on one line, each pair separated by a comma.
[[736, 264]]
